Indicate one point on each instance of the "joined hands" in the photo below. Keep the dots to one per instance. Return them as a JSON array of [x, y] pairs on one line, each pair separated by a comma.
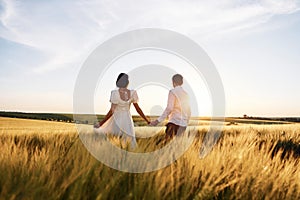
[[154, 123]]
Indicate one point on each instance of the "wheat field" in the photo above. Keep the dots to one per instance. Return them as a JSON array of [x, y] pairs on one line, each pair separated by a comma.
[[47, 160]]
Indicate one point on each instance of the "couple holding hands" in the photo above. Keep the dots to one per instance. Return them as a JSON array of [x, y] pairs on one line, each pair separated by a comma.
[[118, 121]]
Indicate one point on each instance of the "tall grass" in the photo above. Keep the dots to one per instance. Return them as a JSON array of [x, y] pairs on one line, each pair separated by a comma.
[[248, 162]]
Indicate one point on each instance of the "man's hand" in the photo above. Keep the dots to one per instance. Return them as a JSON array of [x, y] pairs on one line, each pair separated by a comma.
[[154, 123]]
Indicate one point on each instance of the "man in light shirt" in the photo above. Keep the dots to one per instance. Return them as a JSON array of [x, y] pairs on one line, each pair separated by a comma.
[[178, 109]]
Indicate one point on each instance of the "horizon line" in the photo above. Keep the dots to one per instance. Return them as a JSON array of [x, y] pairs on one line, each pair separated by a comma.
[[204, 116]]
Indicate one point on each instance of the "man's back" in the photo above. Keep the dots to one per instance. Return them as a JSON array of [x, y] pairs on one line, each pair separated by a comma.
[[181, 112], [178, 110]]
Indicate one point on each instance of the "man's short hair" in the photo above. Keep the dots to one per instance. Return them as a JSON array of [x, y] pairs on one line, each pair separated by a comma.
[[178, 79]]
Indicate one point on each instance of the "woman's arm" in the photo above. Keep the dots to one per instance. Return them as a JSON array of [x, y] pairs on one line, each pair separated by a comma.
[[139, 110], [108, 115]]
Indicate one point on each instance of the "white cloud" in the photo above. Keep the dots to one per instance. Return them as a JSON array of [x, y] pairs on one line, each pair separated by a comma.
[[67, 30]]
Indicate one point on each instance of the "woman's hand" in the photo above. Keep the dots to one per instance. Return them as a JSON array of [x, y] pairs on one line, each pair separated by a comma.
[[147, 120], [107, 116], [96, 125], [154, 123]]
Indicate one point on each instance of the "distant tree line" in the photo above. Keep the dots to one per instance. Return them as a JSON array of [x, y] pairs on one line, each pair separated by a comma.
[[287, 119], [39, 116], [60, 117]]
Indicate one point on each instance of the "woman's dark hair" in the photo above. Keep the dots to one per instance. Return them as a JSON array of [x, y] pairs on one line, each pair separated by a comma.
[[122, 80]]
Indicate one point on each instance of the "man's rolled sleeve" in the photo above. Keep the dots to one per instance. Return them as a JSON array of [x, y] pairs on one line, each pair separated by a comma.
[[169, 108]]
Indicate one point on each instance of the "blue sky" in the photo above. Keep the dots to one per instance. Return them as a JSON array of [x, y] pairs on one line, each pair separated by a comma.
[[254, 45]]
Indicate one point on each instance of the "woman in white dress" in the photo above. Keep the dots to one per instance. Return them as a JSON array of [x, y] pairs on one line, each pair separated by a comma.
[[118, 121]]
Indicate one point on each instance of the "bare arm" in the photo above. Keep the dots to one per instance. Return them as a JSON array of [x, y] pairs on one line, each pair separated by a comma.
[[108, 115], [139, 110]]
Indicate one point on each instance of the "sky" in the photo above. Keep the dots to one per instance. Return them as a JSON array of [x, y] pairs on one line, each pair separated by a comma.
[[253, 44]]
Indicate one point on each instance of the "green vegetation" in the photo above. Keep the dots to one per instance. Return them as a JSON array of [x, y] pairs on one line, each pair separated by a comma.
[[138, 121], [40, 116]]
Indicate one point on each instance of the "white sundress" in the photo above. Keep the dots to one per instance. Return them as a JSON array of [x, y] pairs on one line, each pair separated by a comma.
[[120, 123]]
